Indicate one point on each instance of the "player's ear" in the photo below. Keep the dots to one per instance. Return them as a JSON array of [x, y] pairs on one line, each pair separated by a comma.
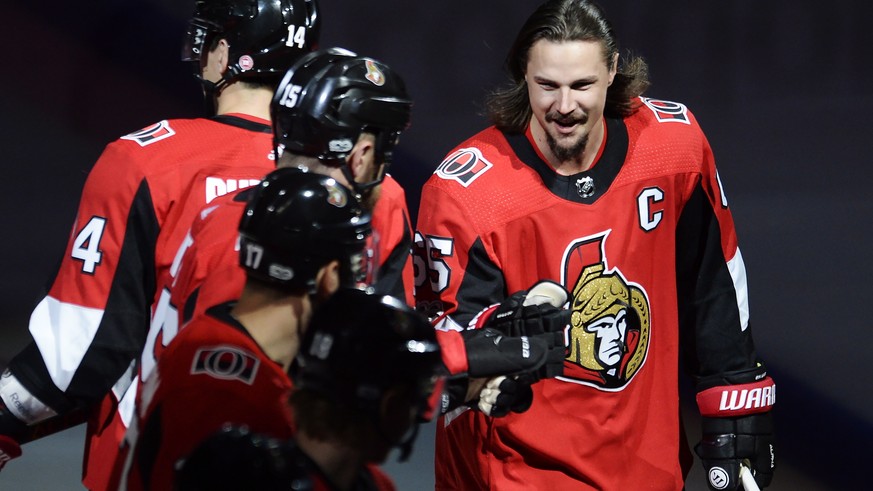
[[327, 281], [613, 69], [220, 55], [362, 155]]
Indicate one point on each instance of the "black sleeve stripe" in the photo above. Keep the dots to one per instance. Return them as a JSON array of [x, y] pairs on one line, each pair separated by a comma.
[[389, 280], [121, 335], [483, 285], [709, 317], [122, 331]]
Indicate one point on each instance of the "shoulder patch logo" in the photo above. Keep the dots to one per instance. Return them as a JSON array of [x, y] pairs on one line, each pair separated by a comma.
[[666, 111], [226, 363], [151, 134], [464, 165]]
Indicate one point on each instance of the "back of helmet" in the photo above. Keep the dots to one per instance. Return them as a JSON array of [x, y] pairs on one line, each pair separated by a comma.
[[296, 222], [330, 97], [264, 37]]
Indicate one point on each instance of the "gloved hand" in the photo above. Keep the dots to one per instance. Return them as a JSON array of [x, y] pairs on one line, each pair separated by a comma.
[[530, 312], [490, 353], [504, 394], [729, 442], [737, 427]]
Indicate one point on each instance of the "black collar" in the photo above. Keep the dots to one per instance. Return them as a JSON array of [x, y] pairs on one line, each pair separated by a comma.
[[242, 123], [584, 187]]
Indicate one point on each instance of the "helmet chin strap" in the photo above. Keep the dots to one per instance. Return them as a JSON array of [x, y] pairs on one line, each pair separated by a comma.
[[211, 90]]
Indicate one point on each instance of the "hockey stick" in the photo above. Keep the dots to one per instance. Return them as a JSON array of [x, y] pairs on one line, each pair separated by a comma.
[[748, 479]]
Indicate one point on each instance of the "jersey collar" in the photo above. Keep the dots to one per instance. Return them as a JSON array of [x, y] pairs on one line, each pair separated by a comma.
[[583, 187]]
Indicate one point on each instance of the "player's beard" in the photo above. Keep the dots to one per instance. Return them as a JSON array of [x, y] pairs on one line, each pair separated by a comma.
[[573, 150]]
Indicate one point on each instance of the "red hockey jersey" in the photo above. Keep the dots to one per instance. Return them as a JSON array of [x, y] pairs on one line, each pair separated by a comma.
[[137, 204], [209, 264], [213, 373], [645, 243]]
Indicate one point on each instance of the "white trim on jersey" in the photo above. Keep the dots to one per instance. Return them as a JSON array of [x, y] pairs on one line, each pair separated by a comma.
[[63, 332], [737, 268]]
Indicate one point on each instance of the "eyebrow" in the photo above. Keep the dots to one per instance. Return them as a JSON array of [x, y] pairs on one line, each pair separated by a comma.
[[581, 81]]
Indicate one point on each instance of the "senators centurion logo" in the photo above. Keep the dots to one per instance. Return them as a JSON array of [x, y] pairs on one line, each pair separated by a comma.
[[610, 321]]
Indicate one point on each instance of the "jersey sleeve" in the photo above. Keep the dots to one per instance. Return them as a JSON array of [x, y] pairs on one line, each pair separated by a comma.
[[456, 275], [711, 281], [91, 324], [393, 231]]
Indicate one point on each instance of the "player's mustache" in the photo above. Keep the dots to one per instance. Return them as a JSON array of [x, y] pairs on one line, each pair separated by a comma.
[[566, 119]]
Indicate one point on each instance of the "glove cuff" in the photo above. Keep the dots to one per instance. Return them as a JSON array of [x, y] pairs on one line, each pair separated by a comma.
[[727, 401]]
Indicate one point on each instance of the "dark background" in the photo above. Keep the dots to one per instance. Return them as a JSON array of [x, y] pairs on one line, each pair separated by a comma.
[[783, 89]]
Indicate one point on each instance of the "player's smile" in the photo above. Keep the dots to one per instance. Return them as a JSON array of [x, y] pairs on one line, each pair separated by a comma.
[[565, 125]]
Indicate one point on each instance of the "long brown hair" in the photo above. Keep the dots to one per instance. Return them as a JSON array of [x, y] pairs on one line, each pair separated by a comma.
[[561, 21]]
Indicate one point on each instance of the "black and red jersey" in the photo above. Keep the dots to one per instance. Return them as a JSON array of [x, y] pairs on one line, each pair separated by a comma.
[[212, 374], [137, 205], [644, 241]]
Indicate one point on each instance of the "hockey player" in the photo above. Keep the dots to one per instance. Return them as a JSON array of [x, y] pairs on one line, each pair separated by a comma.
[[341, 114], [366, 367], [136, 206], [616, 197], [329, 117], [302, 237]]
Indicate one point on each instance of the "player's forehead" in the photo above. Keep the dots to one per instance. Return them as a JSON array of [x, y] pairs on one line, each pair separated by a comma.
[[566, 61]]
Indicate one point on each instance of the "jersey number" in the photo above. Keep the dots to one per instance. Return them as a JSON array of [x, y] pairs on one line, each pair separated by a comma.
[[296, 35], [86, 246], [428, 261]]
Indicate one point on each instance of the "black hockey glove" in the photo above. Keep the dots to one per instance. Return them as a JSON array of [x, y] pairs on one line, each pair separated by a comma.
[[504, 394], [490, 353], [737, 428], [530, 312], [728, 443], [525, 359]]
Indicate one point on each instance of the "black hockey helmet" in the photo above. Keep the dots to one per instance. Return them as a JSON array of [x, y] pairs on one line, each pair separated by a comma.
[[360, 344], [329, 97], [265, 36], [295, 222]]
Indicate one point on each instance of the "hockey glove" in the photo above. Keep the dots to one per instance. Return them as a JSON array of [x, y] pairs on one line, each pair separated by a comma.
[[491, 353], [504, 394], [528, 312], [737, 429]]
